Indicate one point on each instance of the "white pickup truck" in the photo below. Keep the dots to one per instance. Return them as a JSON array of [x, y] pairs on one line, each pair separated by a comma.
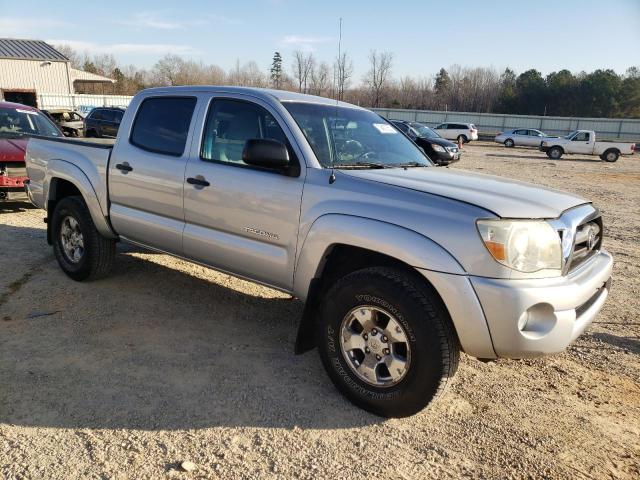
[[584, 142]]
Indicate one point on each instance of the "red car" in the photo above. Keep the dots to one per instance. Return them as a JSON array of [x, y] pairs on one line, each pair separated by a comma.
[[17, 123]]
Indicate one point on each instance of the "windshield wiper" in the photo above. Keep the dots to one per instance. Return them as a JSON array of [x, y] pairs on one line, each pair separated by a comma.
[[411, 165], [363, 165]]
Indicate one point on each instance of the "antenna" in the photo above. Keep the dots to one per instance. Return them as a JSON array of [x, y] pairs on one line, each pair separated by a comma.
[[332, 177]]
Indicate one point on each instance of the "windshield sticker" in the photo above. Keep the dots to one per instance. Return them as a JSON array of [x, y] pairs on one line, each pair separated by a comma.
[[384, 128], [30, 112]]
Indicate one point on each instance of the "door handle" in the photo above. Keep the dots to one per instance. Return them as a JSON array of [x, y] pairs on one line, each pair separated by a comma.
[[124, 167], [201, 182]]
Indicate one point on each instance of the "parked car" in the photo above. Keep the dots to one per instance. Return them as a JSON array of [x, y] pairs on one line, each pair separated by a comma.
[[103, 122], [400, 264], [584, 142], [439, 150], [460, 132], [17, 123], [520, 137], [69, 121]]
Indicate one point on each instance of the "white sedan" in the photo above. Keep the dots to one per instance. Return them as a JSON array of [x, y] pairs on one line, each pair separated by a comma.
[[520, 137]]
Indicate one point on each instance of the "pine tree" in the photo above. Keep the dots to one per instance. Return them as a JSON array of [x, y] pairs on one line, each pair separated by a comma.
[[276, 70]]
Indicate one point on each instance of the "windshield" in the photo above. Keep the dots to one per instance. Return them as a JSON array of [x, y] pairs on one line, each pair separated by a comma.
[[423, 131], [16, 122], [343, 137]]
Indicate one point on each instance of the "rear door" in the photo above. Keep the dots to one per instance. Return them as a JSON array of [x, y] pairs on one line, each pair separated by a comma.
[[146, 172], [242, 219]]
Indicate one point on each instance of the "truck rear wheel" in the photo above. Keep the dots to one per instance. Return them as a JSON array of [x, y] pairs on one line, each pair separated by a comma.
[[81, 251], [610, 156], [386, 341]]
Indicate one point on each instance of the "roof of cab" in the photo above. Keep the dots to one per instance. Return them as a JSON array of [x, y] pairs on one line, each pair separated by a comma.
[[262, 93]]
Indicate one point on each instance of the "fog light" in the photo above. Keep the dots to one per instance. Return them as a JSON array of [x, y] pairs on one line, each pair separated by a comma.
[[537, 320]]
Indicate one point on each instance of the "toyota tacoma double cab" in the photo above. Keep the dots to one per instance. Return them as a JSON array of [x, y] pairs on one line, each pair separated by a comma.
[[400, 265], [583, 142]]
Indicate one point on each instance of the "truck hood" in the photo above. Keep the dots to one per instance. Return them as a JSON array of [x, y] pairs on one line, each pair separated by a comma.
[[12, 149], [506, 198]]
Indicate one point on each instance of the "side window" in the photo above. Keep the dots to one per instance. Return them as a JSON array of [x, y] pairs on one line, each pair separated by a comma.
[[109, 115], [581, 137], [162, 124], [403, 127], [230, 123], [443, 126], [96, 114], [117, 116], [519, 132]]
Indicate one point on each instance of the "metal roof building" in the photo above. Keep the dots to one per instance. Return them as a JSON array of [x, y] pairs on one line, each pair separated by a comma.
[[29, 68]]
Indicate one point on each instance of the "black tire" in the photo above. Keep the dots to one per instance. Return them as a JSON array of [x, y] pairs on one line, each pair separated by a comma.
[[98, 252], [610, 156], [462, 138], [555, 153], [509, 143], [434, 347]]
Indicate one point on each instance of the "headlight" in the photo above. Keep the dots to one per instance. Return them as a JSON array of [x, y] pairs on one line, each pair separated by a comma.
[[524, 245], [438, 148]]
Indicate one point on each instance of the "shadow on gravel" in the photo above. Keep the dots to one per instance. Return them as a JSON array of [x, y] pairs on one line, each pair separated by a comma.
[[154, 348], [541, 157], [13, 207], [626, 343]]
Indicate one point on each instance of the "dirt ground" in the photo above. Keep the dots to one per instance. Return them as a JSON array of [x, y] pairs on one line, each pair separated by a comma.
[[166, 361]]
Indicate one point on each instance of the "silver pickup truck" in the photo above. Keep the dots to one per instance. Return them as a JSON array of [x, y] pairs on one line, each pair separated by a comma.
[[400, 265]]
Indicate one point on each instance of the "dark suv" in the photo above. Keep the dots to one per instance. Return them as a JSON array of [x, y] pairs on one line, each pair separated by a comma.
[[441, 151], [103, 122]]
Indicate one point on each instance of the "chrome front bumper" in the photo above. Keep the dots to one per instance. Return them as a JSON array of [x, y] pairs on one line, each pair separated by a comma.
[[529, 318]]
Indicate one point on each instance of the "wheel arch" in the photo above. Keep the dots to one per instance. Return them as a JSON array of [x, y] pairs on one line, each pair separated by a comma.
[[339, 244], [65, 179]]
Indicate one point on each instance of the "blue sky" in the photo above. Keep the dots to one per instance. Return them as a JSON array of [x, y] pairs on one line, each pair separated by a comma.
[[423, 35]]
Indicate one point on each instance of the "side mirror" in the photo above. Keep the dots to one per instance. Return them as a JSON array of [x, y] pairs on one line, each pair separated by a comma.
[[266, 153]]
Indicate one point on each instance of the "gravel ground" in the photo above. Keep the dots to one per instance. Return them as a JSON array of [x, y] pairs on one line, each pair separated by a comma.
[[166, 362]]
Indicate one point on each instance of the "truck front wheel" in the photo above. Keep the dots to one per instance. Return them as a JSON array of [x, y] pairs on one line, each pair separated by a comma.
[[81, 251], [555, 153], [386, 341]]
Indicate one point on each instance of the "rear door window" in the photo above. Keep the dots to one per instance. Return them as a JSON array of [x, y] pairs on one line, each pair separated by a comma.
[[162, 124]]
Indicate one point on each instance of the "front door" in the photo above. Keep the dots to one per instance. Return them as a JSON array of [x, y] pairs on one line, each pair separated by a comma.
[[581, 143], [146, 172], [238, 218]]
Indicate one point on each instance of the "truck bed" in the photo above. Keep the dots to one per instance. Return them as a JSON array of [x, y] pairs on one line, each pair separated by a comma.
[[64, 156]]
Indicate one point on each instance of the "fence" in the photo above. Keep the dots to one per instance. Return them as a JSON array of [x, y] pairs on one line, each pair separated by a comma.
[[81, 102], [492, 123], [487, 123]]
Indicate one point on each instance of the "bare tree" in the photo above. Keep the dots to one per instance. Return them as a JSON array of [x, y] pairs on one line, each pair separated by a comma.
[[342, 71], [378, 76], [302, 67], [320, 82]]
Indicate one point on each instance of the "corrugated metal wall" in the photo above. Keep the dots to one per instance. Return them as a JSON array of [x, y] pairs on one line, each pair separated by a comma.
[[492, 123], [34, 75]]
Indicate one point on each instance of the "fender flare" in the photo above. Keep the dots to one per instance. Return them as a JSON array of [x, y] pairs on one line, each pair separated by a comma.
[[389, 239], [393, 240], [62, 170]]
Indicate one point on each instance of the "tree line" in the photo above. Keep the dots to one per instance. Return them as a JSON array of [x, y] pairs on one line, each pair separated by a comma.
[[601, 93]]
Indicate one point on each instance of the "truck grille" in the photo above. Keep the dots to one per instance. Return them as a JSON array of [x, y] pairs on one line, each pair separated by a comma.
[[587, 242]]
